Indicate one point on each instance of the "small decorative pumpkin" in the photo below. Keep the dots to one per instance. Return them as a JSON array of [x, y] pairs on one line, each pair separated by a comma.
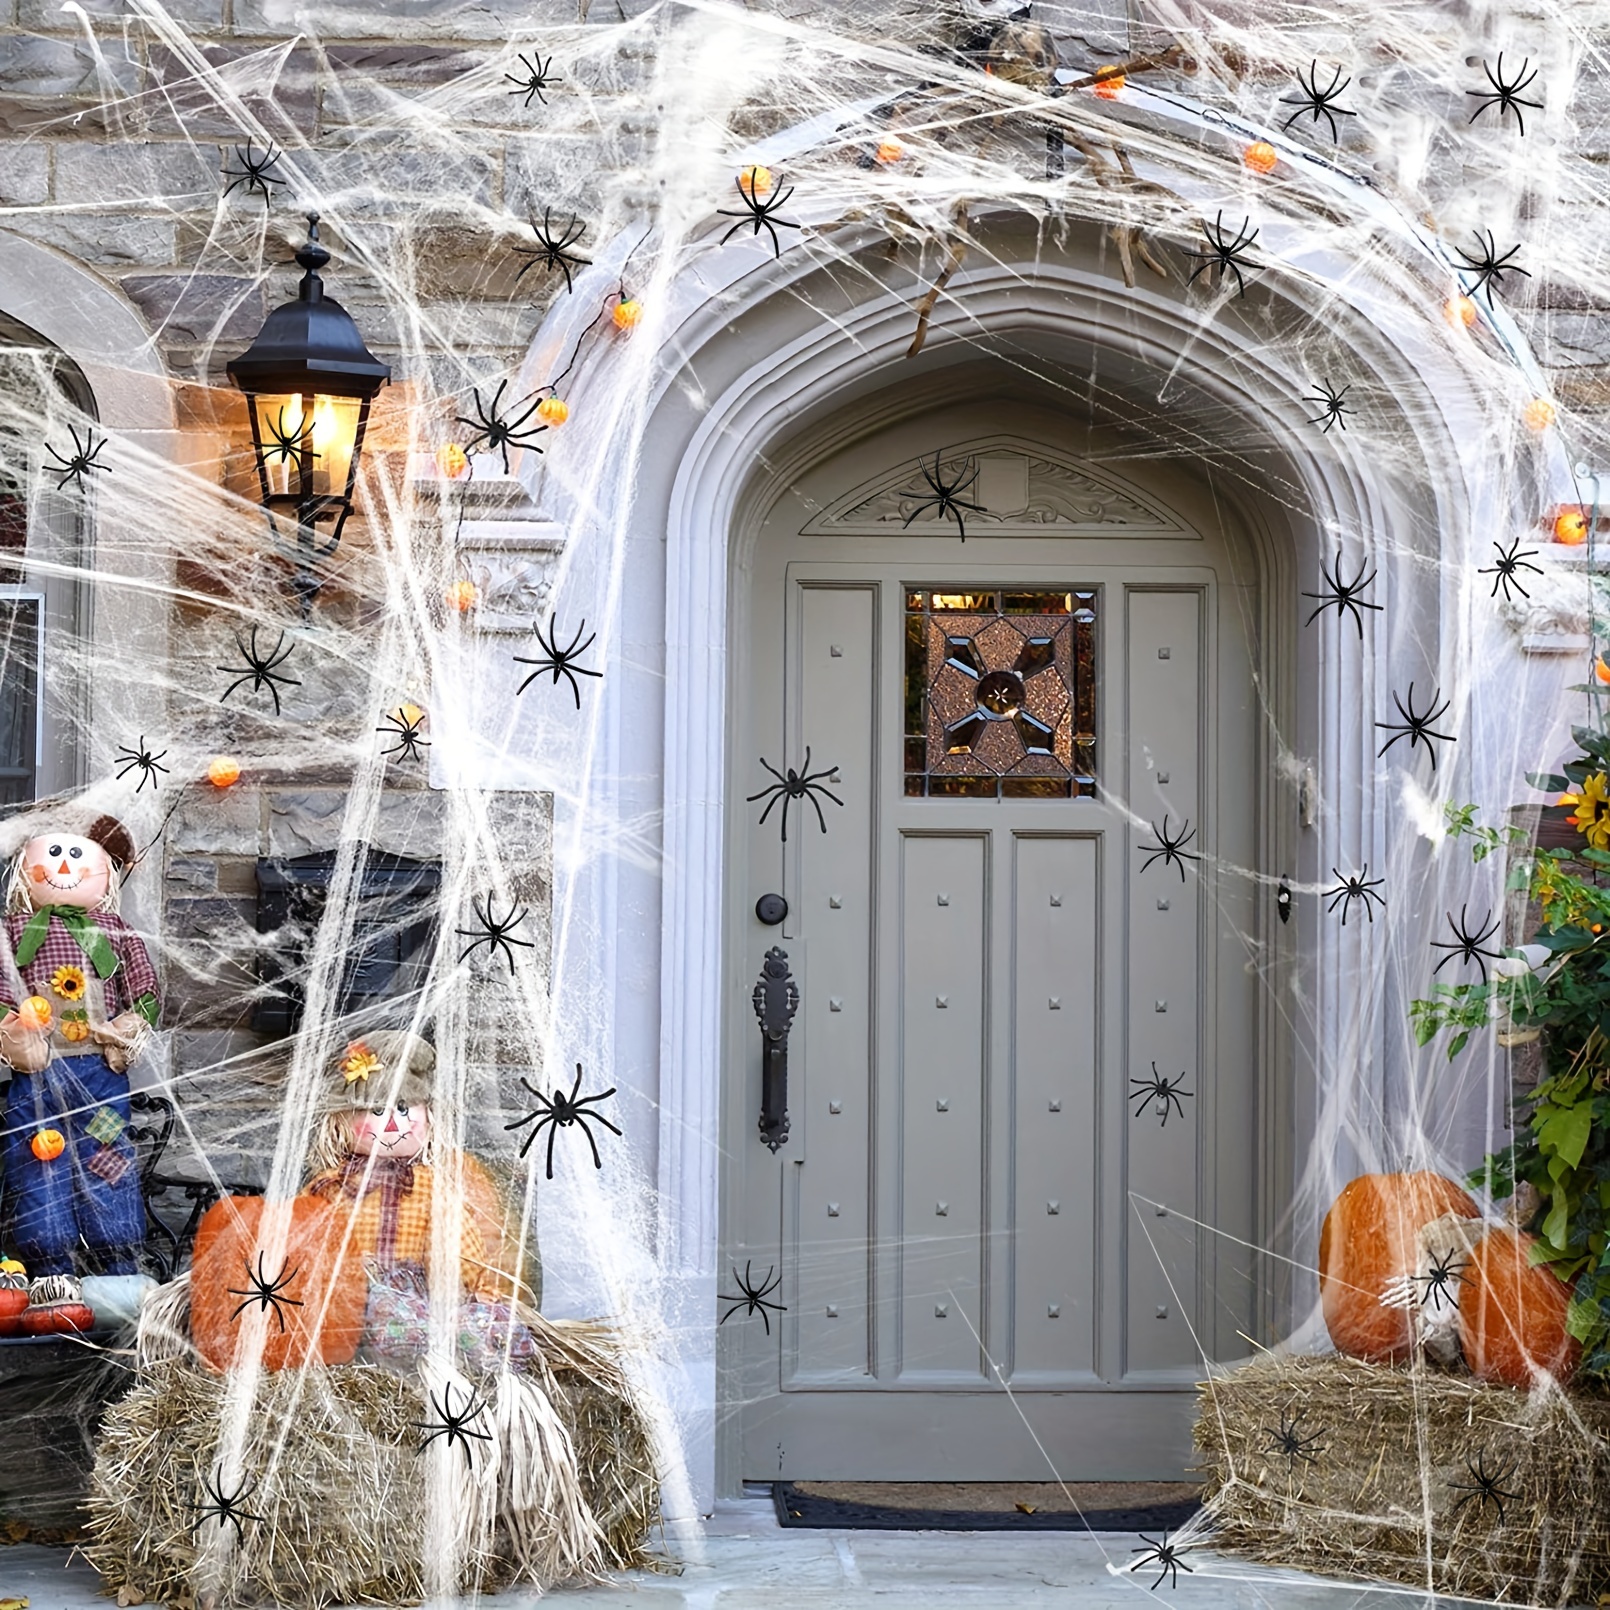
[[1571, 528], [48, 1144], [224, 771], [628, 313], [889, 150], [1512, 1314], [553, 411], [1539, 413], [1369, 1243], [756, 180], [1261, 157], [1460, 311], [1108, 87], [462, 596], [35, 1012], [312, 1298], [452, 462]]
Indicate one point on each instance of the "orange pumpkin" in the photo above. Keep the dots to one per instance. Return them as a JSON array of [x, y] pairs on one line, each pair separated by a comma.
[[314, 1310], [1260, 157], [628, 313], [224, 772], [1539, 413], [1370, 1239], [47, 1145], [452, 462], [889, 150], [1460, 312], [1571, 528], [1512, 1314], [35, 1013], [1107, 87], [553, 411], [756, 180], [462, 596]]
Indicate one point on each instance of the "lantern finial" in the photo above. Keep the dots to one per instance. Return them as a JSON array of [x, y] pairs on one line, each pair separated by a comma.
[[312, 257]]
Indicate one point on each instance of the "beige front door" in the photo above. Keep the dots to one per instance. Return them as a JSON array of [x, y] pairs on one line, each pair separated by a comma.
[[1009, 1217]]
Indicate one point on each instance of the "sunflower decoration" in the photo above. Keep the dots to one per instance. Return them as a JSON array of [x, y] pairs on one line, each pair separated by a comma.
[[1591, 817], [359, 1062], [68, 983]]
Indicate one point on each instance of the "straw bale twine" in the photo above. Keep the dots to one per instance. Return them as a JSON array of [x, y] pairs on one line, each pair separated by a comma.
[[1410, 1474]]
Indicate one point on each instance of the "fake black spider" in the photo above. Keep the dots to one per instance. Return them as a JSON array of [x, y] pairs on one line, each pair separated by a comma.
[[1283, 901], [558, 662], [500, 432], [1505, 573], [1467, 946], [1343, 595], [127, 759], [1491, 267], [1333, 410], [495, 932], [761, 214], [260, 669], [538, 78], [1484, 1486], [554, 251], [753, 1298], [1442, 1280], [1224, 254], [1316, 102], [1168, 1557], [84, 458], [255, 171], [409, 744], [267, 1294], [945, 496], [1164, 1091], [1289, 1443], [221, 1506], [454, 1423], [1505, 96], [289, 443], [1360, 886], [1416, 724], [792, 785], [561, 1111], [1171, 849]]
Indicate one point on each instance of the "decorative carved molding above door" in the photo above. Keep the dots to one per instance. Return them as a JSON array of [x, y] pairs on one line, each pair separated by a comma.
[[1012, 489]]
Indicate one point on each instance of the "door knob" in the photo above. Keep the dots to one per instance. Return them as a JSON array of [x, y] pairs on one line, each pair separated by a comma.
[[771, 909]]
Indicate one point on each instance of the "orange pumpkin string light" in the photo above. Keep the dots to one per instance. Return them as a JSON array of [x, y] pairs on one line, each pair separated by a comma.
[[1260, 157], [1460, 312], [553, 411], [462, 596], [1539, 413], [889, 150], [628, 312], [1109, 81], [452, 462], [756, 180], [224, 771]]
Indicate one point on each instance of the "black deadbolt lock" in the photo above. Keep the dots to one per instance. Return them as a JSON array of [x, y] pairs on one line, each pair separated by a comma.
[[771, 909]]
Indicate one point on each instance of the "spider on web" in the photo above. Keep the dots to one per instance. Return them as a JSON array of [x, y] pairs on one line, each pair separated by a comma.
[[1442, 1281], [1360, 886], [1164, 1091], [560, 1111], [791, 785], [1416, 724], [1288, 1441], [498, 431], [762, 214], [539, 76], [752, 1298], [1505, 574], [553, 251], [1171, 849], [495, 932], [1225, 254], [1283, 901], [84, 458], [1484, 1486], [1342, 595], [223, 1507], [126, 760], [1168, 1557], [405, 729], [289, 443], [267, 1294], [558, 662], [1506, 95], [454, 1424], [945, 497], [255, 172], [1318, 103], [1467, 944], [260, 670], [1333, 410], [1491, 267]]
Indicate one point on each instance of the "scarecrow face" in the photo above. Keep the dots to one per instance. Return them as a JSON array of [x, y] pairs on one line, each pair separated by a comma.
[[61, 870], [397, 1131]]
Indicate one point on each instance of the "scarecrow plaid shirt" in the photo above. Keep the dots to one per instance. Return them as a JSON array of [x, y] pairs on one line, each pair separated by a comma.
[[133, 985]]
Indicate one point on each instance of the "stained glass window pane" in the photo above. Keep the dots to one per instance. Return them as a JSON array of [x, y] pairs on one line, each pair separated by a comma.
[[1000, 694]]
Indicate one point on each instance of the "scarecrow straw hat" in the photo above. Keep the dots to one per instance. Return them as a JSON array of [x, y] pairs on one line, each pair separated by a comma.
[[382, 1066]]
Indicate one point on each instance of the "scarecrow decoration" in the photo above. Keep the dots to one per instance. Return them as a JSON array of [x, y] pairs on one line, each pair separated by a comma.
[[78, 995]]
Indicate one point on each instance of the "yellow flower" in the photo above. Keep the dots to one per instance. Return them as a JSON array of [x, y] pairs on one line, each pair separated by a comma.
[[68, 982], [359, 1062], [1592, 815]]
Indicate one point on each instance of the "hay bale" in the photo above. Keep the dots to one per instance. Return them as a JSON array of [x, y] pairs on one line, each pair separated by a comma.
[[334, 1476], [1410, 1474]]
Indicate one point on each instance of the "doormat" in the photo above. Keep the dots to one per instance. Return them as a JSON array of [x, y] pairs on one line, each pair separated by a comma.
[[991, 1506]]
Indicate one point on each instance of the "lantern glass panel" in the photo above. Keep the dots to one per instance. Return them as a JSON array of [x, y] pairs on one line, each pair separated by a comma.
[[317, 434]]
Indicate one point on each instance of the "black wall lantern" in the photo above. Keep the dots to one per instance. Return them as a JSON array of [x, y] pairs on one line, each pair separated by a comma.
[[309, 380]]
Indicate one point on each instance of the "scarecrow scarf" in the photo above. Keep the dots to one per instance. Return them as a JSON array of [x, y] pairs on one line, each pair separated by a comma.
[[89, 938], [357, 1177]]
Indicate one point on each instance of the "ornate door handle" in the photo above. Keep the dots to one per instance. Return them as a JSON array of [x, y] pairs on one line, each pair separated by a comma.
[[776, 1000]]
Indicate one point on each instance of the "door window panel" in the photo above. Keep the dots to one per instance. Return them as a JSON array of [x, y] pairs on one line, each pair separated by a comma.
[[19, 699], [1000, 694]]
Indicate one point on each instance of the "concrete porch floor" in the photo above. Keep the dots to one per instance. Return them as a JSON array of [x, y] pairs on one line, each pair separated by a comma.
[[750, 1563]]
